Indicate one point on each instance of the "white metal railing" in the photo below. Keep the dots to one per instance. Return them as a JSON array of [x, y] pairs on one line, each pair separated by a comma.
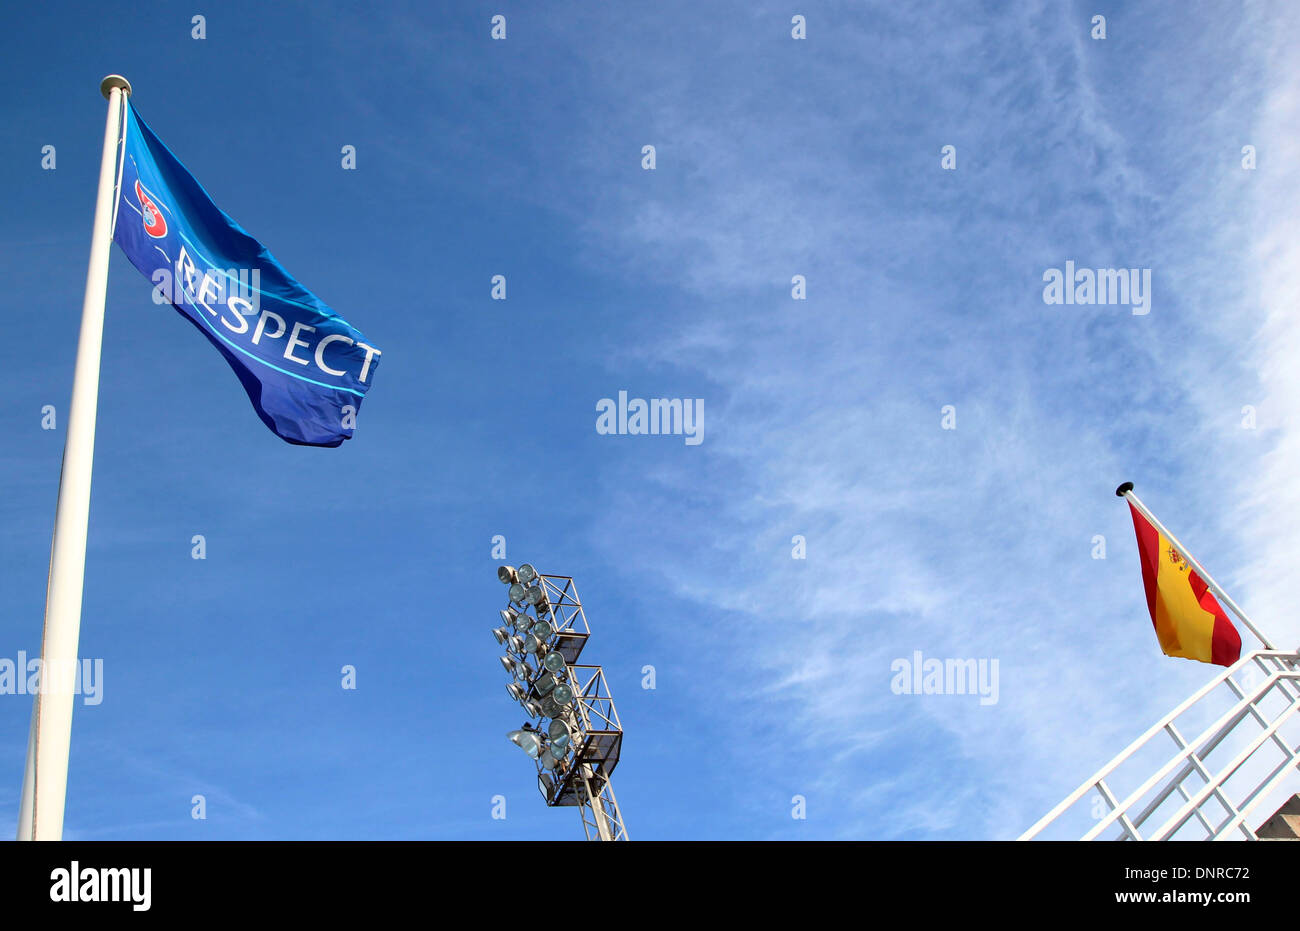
[[1270, 705]]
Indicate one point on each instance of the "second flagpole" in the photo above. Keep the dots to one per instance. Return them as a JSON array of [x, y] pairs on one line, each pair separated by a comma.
[[45, 780], [1126, 491]]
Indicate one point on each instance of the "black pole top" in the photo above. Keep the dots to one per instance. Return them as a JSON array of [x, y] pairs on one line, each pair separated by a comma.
[[1124, 489]]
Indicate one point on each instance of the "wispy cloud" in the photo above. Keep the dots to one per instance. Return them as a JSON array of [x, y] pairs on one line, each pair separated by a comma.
[[924, 290]]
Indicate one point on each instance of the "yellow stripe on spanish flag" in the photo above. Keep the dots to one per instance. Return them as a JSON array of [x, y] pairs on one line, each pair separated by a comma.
[[1188, 619]]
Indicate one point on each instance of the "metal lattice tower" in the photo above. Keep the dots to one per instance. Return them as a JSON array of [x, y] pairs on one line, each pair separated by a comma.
[[583, 778]]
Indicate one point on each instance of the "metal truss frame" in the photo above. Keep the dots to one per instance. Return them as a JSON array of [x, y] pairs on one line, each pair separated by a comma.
[[1208, 796], [594, 722]]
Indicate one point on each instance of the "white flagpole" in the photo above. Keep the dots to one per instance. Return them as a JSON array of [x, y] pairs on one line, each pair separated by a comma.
[[1126, 491], [45, 780]]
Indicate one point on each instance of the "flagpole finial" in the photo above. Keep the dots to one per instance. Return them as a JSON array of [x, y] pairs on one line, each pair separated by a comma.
[[114, 80], [1124, 489]]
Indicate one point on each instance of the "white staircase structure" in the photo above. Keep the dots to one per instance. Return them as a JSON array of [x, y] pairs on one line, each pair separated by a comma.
[[1236, 744]]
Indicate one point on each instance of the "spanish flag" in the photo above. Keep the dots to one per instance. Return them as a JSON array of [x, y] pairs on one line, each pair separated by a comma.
[[1188, 619]]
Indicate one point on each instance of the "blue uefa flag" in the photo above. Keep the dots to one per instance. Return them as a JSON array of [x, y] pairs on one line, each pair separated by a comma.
[[305, 368]]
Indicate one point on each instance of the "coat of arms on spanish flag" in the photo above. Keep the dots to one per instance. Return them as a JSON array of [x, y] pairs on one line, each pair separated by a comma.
[[1188, 619]]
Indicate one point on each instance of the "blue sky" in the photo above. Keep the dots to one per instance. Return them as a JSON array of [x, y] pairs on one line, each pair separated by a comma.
[[775, 158]]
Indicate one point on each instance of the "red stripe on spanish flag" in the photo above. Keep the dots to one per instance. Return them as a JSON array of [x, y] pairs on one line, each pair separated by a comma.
[[1188, 619]]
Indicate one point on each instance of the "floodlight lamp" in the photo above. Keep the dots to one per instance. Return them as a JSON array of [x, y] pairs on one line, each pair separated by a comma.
[[527, 573], [517, 593], [553, 661], [501, 633], [534, 710], [532, 644], [563, 695], [516, 692], [545, 785], [559, 733], [507, 574], [544, 683], [508, 616], [516, 643], [528, 741], [508, 664]]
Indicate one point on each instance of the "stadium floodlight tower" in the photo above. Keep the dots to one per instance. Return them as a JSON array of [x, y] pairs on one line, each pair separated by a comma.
[[573, 733]]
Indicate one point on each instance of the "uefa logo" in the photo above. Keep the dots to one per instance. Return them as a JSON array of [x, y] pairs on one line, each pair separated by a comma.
[[154, 223]]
